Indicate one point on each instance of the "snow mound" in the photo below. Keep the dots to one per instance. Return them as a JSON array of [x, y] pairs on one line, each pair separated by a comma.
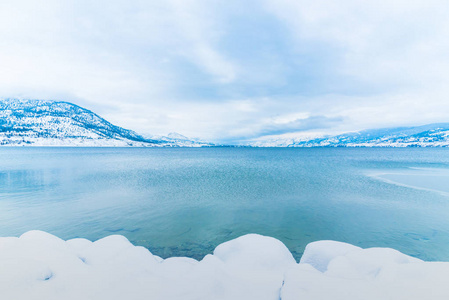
[[319, 254], [253, 252], [38, 265], [343, 271]]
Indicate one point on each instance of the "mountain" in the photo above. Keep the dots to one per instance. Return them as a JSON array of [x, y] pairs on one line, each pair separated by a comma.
[[432, 135], [179, 139], [59, 123]]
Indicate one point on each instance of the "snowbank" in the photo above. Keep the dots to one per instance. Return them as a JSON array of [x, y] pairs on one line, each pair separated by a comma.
[[41, 266]]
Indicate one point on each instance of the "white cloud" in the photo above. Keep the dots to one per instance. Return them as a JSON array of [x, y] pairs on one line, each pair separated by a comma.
[[181, 65], [393, 44], [195, 23]]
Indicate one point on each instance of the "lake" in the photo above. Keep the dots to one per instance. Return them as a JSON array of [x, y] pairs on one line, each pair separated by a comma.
[[186, 201]]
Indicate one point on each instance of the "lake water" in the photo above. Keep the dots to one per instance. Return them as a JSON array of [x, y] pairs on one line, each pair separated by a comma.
[[184, 202]]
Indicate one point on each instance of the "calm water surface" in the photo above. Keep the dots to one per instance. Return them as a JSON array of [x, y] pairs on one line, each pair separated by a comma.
[[184, 202]]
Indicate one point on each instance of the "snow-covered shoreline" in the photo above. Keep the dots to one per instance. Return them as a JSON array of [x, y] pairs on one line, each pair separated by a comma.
[[38, 265]]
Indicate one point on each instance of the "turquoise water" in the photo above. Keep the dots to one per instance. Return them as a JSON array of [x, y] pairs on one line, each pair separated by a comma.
[[184, 202]]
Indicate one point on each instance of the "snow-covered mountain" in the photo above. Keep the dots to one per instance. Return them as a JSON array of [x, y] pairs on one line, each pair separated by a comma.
[[58, 123], [432, 135], [179, 139]]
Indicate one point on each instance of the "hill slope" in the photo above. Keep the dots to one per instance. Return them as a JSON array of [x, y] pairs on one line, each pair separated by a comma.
[[432, 135], [58, 123]]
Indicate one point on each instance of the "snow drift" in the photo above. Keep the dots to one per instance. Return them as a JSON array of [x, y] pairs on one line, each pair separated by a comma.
[[38, 265]]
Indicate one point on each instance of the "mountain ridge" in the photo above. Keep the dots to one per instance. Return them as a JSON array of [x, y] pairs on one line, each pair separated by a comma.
[[429, 135], [34, 122]]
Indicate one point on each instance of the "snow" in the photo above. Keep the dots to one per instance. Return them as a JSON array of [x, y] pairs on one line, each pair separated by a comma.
[[38, 265], [62, 124], [355, 273], [319, 254], [431, 135]]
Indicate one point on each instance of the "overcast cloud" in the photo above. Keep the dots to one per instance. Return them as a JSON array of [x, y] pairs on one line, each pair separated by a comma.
[[230, 70]]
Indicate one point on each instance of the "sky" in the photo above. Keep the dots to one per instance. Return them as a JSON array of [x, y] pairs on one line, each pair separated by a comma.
[[233, 71]]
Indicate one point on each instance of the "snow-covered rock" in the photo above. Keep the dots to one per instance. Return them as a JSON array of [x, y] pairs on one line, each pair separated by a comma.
[[347, 272], [38, 266]]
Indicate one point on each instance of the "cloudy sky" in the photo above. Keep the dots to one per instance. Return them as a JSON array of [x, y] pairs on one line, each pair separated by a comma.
[[233, 70]]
